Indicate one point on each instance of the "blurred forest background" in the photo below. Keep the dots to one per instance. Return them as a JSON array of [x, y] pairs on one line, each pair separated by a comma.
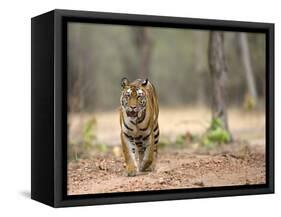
[[179, 63]]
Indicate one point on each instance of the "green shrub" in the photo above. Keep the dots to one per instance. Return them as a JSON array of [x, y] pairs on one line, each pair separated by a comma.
[[215, 135], [180, 140], [102, 147], [88, 134]]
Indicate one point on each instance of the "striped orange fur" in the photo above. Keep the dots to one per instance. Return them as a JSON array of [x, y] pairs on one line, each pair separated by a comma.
[[139, 125]]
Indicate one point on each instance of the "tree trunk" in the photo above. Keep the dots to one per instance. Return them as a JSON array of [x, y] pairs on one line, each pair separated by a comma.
[[199, 52], [218, 76], [246, 60], [143, 45], [129, 66]]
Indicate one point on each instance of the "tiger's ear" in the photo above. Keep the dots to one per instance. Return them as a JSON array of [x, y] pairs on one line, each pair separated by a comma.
[[124, 82], [144, 82]]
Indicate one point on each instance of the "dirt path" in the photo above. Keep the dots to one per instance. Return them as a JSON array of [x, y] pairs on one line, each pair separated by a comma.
[[174, 170]]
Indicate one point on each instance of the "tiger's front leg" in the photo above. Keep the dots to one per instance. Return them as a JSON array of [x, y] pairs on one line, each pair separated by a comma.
[[129, 151], [146, 164]]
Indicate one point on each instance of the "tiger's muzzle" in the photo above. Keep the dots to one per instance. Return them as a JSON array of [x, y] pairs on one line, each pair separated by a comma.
[[132, 112]]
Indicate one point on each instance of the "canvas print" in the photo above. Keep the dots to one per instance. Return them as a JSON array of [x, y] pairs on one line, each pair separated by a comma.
[[158, 108]]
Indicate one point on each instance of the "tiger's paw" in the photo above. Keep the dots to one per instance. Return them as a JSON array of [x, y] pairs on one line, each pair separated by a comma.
[[131, 173], [149, 169], [145, 166]]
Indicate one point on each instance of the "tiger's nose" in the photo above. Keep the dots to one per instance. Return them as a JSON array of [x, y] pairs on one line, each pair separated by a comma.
[[133, 107]]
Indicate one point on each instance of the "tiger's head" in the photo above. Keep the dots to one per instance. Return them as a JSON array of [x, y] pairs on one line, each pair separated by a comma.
[[134, 97]]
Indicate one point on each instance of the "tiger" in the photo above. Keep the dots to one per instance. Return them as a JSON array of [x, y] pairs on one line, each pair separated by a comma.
[[139, 125]]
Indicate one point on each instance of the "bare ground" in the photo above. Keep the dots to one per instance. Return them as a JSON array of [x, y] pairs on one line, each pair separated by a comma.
[[175, 170], [189, 167]]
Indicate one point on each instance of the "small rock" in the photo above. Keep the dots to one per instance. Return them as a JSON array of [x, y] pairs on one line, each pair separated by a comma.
[[201, 183]]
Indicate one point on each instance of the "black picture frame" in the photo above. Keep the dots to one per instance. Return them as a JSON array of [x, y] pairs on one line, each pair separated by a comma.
[[49, 107]]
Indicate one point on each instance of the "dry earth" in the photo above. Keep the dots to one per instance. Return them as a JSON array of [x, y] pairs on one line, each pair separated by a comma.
[[175, 170]]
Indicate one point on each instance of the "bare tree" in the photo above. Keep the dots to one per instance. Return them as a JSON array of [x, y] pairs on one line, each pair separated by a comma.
[[76, 98], [82, 67], [128, 63], [246, 60], [218, 72], [143, 44], [199, 68]]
